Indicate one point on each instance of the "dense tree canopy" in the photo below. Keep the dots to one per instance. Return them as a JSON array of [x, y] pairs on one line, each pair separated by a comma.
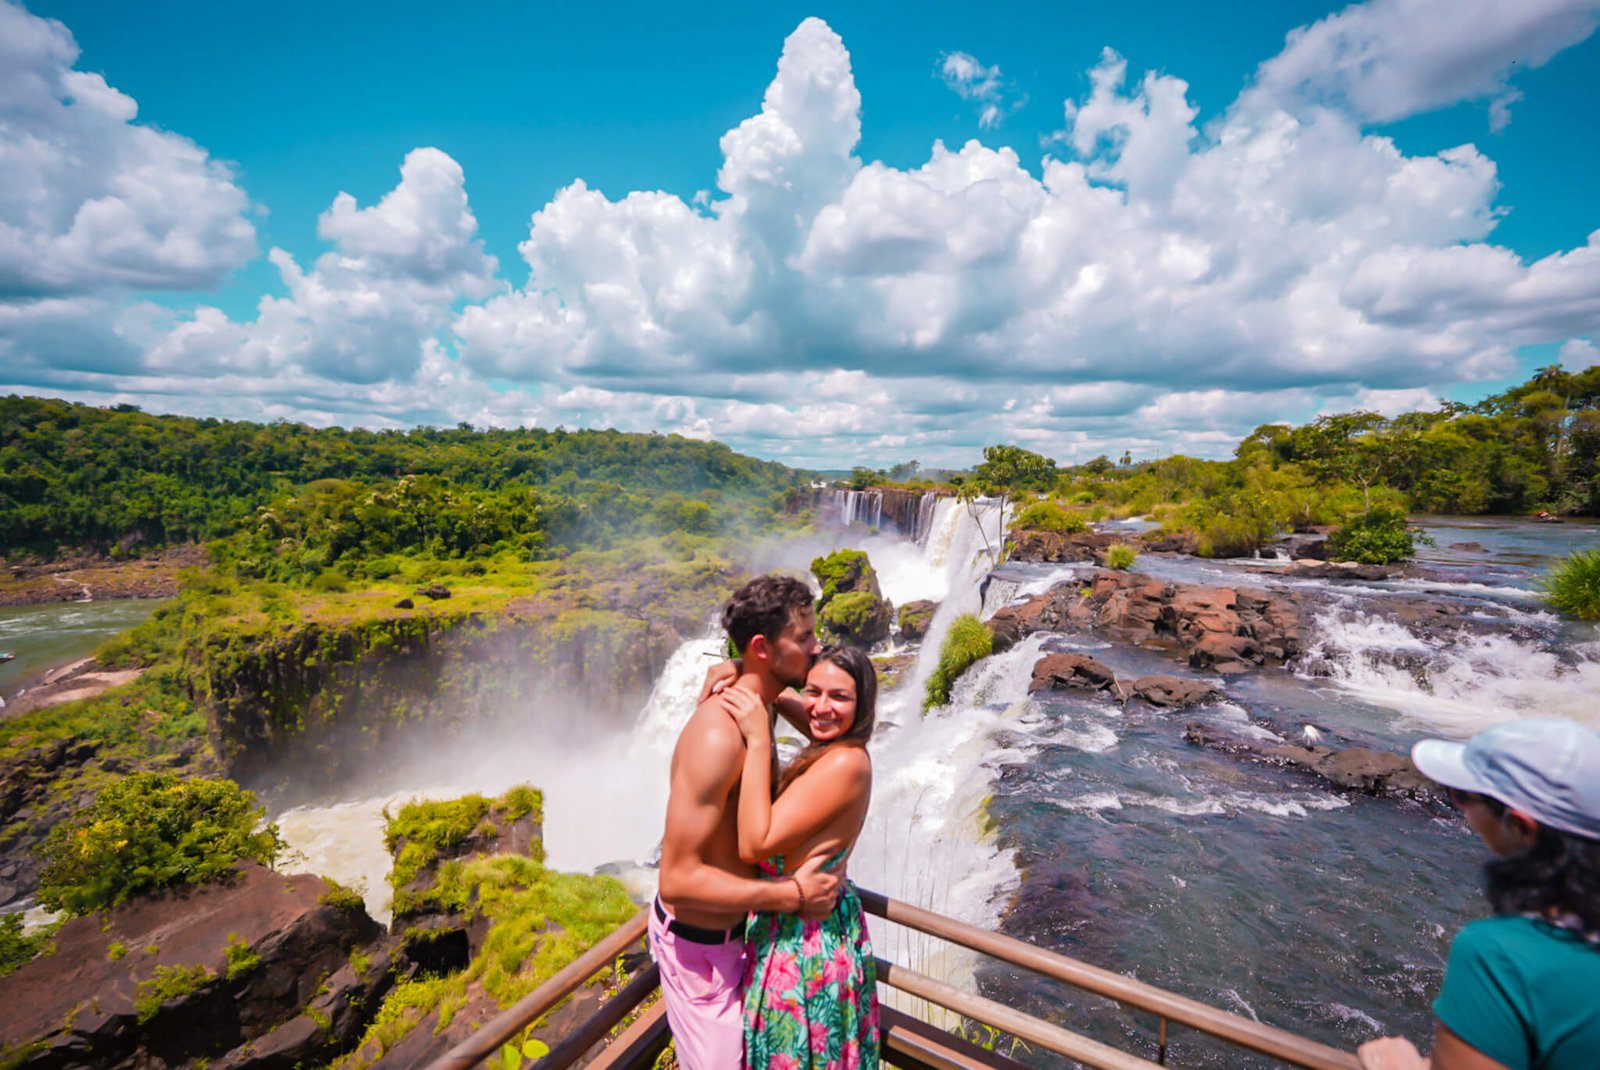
[[73, 475]]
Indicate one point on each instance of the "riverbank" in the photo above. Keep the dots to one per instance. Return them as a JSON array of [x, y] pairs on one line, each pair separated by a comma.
[[75, 680], [85, 578]]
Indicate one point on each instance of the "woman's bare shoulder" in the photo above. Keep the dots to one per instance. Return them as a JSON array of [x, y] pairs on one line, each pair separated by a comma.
[[845, 761]]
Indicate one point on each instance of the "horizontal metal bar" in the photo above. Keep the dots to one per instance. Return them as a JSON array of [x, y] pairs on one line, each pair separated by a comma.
[[511, 1021], [639, 1044], [924, 1045], [593, 1029], [1091, 1053], [1268, 1040]]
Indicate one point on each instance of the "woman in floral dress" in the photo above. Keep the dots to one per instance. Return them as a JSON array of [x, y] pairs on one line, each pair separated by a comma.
[[810, 986]]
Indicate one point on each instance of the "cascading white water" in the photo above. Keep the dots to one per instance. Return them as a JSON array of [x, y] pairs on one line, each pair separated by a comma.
[[604, 800], [1454, 683]]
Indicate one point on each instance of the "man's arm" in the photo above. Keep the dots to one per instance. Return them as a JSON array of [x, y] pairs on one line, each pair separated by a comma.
[[705, 768]]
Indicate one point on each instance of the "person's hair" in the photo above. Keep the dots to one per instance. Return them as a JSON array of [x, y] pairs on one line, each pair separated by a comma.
[[1559, 873], [764, 606], [854, 661]]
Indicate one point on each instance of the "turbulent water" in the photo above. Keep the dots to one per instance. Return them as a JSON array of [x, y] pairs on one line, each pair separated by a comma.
[[1092, 828]]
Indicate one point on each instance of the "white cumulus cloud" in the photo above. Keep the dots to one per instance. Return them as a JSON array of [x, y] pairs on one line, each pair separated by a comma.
[[90, 198], [1154, 283]]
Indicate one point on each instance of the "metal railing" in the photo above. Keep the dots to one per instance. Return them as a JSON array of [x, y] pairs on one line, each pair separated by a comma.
[[906, 1041], [1290, 1048]]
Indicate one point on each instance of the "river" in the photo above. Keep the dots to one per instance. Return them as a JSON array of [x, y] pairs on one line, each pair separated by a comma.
[[45, 637], [1092, 828]]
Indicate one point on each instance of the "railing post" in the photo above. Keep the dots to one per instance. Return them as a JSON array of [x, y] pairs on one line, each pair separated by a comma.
[[1161, 1045]]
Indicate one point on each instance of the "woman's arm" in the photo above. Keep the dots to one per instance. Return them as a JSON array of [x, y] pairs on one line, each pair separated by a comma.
[[839, 781]]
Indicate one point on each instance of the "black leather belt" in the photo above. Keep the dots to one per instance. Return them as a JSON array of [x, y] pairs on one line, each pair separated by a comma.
[[694, 933]]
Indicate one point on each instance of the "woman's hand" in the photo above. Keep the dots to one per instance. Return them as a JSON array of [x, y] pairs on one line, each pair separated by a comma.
[[1391, 1053], [719, 677], [748, 712]]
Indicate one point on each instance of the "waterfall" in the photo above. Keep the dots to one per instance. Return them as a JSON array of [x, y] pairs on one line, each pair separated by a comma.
[[1455, 682], [605, 796]]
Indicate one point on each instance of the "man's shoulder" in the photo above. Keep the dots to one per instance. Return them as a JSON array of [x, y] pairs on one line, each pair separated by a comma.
[[711, 732]]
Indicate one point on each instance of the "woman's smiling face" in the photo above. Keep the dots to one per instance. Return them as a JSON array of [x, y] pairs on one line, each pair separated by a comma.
[[830, 701]]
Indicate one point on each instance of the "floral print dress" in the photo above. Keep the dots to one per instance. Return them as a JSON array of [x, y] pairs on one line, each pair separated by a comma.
[[811, 988]]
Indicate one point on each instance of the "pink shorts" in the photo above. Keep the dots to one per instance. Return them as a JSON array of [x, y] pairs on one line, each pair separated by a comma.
[[700, 983]]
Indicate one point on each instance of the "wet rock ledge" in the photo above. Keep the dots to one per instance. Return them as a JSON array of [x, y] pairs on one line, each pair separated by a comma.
[[1221, 629]]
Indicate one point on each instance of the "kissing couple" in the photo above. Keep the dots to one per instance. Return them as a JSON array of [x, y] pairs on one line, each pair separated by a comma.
[[760, 939]]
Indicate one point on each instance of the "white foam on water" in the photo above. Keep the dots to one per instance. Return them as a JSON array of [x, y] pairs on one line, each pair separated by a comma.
[[1455, 683], [1297, 804], [926, 839]]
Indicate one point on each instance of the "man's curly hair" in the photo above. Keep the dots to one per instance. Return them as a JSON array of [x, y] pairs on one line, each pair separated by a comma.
[[764, 606]]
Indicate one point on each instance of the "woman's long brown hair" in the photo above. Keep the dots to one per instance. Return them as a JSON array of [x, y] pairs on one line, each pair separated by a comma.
[[855, 662]]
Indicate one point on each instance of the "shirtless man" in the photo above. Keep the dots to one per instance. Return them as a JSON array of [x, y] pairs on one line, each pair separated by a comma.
[[697, 922]]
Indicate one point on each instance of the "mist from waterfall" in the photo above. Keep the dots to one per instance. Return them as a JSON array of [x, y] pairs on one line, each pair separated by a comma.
[[605, 788]]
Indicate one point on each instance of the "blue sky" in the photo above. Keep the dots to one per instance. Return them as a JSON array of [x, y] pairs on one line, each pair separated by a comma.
[[1230, 217]]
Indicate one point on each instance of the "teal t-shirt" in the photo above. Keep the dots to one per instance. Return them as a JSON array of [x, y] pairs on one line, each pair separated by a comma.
[[1524, 993]]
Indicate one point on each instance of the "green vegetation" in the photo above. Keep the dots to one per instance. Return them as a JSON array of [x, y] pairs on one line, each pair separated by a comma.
[[242, 958], [74, 475], [424, 830], [1374, 538], [850, 613], [1121, 556], [342, 897], [17, 947], [1573, 585], [1050, 516], [147, 831], [169, 983], [841, 570], [540, 920], [966, 642], [1010, 470]]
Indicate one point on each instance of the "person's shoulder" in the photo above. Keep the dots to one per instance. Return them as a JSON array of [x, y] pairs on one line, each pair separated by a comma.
[[846, 761], [710, 728], [1513, 940]]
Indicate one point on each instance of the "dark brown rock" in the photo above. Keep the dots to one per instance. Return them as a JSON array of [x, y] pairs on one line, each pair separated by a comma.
[[1218, 628], [1174, 691], [914, 619], [1337, 570], [1370, 772], [1057, 546], [435, 591], [83, 998], [1057, 672]]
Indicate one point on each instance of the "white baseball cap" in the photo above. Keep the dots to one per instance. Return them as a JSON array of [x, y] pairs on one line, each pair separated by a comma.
[[1546, 768]]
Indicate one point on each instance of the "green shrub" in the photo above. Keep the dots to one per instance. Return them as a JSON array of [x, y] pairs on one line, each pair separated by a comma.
[[1121, 556], [1573, 585], [850, 612], [967, 641], [17, 947], [169, 983], [840, 570], [147, 831], [1379, 537], [342, 897], [1048, 516], [242, 958]]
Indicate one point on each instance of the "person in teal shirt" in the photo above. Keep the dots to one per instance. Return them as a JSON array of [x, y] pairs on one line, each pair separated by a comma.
[[1521, 989]]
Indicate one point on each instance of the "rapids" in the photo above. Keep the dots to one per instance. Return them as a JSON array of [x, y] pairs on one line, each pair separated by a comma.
[[1092, 828]]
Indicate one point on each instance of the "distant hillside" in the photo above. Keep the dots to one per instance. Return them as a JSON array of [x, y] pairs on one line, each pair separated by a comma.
[[76, 475]]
